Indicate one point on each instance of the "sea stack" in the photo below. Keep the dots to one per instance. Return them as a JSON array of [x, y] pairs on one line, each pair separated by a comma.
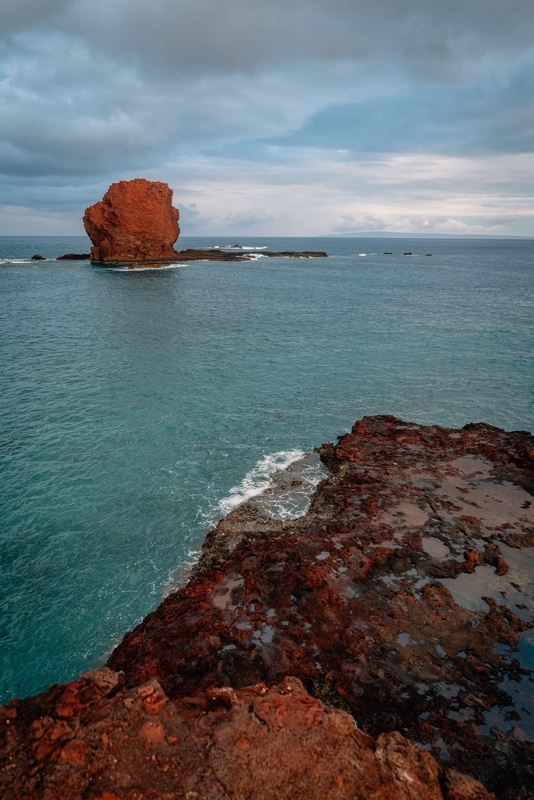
[[134, 222]]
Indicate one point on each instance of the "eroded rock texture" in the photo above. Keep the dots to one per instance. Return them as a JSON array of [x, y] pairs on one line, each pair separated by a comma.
[[134, 221], [96, 739], [356, 598], [372, 601]]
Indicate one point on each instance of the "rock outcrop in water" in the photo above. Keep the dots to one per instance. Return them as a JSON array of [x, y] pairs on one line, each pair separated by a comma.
[[399, 600], [74, 257], [134, 221]]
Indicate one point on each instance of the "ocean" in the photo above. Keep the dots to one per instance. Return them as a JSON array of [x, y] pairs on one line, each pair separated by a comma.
[[140, 406]]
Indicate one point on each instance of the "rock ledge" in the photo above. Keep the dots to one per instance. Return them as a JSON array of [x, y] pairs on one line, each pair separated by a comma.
[[398, 603]]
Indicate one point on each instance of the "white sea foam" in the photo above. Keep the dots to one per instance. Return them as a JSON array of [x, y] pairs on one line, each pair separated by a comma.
[[285, 481], [147, 269], [179, 580], [258, 479], [241, 247], [283, 484], [293, 489]]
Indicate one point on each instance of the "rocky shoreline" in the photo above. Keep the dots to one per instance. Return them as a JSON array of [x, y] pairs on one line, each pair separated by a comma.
[[189, 255], [136, 224], [220, 255], [401, 601]]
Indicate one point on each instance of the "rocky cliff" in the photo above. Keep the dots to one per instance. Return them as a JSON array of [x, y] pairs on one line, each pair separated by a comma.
[[372, 647]]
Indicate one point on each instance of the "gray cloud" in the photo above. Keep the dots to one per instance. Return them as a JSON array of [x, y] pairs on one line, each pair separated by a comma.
[[242, 35], [247, 218], [29, 13], [365, 223], [95, 91]]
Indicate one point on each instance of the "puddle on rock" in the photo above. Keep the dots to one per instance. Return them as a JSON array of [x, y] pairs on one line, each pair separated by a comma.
[[404, 514], [223, 598], [517, 718], [265, 635], [471, 466], [493, 504], [515, 589], [435, 548]]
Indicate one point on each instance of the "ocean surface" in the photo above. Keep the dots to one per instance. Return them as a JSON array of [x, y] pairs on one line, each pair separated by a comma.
[[137, 407]]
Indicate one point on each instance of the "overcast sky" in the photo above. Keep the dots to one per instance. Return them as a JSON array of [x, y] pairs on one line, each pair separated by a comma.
[[271, 117]]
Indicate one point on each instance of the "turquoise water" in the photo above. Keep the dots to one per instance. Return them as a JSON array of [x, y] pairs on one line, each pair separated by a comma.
[[133, 403]]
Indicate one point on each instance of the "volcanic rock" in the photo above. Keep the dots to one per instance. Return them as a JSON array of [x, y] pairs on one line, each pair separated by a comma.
[[398, 602], [38, 257], [357, 597], [296, 254], [94, 738], [134, 221], [74, 257], [222, 255], [191, 254]]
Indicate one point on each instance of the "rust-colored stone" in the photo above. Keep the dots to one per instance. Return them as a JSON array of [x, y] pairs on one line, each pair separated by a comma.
[[263, 744], [357, 600], [134, 222], [371, 624]]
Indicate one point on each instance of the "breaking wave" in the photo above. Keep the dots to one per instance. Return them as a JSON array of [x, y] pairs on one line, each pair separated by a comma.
[[258, 479]]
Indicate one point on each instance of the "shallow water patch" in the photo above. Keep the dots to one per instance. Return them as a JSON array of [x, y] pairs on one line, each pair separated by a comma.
[[515, 589]]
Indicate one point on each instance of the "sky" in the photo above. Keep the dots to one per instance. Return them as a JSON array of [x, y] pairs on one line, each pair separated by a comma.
[[271, 117]]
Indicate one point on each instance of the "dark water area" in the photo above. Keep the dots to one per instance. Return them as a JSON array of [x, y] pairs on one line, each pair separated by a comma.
[[139, 406]]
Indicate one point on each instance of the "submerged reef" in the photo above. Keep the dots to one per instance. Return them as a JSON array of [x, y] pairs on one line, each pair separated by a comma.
[[372, 647]]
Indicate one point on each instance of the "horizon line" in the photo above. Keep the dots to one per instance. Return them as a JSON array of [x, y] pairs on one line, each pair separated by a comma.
[[353, 235]]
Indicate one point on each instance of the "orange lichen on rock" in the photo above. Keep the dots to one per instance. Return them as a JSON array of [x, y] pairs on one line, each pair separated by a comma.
[[134, 222]]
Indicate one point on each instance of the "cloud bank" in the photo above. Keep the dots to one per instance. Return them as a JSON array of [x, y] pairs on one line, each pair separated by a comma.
[[298, 117]]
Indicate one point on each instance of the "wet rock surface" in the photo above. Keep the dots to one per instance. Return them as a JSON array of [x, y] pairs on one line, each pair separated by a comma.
[[74, 257], [403, 600], [295, 254], [222, 255], [356, 598]]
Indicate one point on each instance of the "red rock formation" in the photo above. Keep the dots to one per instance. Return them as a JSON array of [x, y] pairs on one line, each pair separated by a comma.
[[349, 598], [95, 739], [134, 222], [355, 599]]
